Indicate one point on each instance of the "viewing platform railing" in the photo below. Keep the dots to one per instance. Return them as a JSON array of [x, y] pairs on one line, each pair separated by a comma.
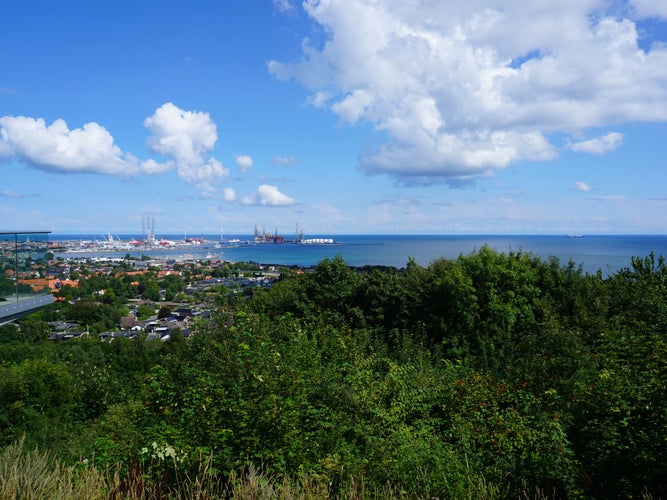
[[24, 276]]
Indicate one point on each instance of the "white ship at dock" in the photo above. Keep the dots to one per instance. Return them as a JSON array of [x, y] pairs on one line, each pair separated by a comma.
[[317, 241]]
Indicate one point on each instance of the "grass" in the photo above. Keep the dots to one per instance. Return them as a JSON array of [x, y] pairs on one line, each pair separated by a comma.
[[34, 474]]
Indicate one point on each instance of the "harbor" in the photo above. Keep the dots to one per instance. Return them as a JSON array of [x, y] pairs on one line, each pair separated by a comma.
[[151, 242]]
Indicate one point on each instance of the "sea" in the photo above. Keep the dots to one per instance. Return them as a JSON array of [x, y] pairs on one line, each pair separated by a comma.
[[605, 253]]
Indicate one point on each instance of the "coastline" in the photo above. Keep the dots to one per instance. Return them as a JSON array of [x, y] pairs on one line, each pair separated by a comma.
[[607, 253]]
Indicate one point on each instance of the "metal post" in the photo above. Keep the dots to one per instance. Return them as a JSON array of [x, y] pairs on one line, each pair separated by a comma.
[[16, 265]]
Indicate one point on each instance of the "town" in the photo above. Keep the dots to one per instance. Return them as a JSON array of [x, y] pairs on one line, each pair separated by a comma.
[[153, 298], [156, 298]]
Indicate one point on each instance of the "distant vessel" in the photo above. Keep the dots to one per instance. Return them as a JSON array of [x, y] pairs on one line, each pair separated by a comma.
[[571, 236]]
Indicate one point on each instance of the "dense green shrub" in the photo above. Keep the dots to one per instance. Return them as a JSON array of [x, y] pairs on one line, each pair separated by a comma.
[[487, 376]]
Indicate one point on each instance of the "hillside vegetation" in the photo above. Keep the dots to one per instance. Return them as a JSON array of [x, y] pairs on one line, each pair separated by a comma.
[[489, 376]]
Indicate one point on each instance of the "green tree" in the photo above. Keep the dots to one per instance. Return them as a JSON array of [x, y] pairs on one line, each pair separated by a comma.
[[145, 311], [164, 312], [33, 330], [9, 333], [620, 416], [36, 399], [94, 313], [151, 291]]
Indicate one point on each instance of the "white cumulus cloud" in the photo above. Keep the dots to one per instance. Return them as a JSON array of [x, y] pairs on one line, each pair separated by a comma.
[[267, 195], [151, 166], [599, 145], [184, 137], [283, 5], [457, 89], [244, 162], [187, 137], [228, 194], [582, 186], [57, 148], [650, 8]]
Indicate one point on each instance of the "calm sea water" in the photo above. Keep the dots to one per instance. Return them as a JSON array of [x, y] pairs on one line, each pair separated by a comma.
[[593, 253]]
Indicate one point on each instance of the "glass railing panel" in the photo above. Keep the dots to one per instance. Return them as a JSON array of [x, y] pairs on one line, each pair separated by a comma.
[[24, 272]]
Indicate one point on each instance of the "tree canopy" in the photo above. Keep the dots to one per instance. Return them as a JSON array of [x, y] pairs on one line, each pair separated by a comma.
[[491, 375]]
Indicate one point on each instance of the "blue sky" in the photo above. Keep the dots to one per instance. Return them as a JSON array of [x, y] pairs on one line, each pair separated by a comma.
[[342, 116]]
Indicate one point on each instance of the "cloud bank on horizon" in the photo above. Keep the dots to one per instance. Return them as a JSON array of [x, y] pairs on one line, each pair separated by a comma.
[[456, 90]]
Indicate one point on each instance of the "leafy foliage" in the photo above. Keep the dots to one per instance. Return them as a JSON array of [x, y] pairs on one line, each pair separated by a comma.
[[491, 375]]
